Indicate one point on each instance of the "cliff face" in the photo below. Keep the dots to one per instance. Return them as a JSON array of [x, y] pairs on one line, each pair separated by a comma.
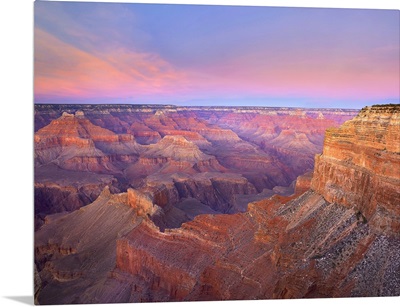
[[360, 166], [57, 190]]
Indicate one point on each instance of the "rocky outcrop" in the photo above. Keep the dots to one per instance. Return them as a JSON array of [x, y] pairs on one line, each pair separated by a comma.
[[360, 166], [289, 137], [173, 154], [213, 257], [57, 190], [178, 148], [75, 252], [73, 142], [140, 202], [303, 183], [143, 134], [216, 192], [53, 198], [191, 136], [172, 196], [176, 279], [328, 250], [282, 248]]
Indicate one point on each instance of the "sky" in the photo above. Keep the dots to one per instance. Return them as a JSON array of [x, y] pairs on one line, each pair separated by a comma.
[[215, 55]]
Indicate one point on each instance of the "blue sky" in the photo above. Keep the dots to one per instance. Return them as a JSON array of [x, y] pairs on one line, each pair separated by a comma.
[[218, 55]]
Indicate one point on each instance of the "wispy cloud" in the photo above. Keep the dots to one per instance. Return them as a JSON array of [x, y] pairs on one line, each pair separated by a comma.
[[64, 71]]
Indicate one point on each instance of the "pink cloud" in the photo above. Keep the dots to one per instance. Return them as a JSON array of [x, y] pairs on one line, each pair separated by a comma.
[[367, 76], [62, 70]]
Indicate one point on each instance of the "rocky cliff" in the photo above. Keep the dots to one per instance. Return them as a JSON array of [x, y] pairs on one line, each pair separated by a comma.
[[360, 166]]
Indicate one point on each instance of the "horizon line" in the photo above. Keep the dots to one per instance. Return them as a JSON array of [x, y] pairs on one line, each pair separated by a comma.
[[149, 105]]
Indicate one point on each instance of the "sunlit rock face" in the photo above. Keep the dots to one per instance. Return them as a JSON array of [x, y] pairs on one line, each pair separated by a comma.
[[360, 166]]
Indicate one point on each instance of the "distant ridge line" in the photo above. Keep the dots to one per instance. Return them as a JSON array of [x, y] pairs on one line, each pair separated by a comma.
[[42, 106]]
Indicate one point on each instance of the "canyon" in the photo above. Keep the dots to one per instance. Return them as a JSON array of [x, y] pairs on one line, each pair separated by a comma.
[[219, 157], [164, 203]]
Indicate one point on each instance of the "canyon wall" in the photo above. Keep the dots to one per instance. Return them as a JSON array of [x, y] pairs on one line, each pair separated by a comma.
[[360, 166]]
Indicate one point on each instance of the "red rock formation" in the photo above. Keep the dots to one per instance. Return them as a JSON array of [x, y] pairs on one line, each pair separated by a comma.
[[215, 191], [269, 146], [75, 251], [174, 153], [107, 120], [176, 279], [191, 136], [141, 203], [360, 166], [73, 142], [144, 134], [70, 127], [176, 147], [57, 190], [303, 183]]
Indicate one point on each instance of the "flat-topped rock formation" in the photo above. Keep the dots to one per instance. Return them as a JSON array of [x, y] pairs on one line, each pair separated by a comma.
[[177, 148], [45, 112]]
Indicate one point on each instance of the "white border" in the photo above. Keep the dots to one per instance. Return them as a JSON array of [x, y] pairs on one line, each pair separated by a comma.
[[16, 170]]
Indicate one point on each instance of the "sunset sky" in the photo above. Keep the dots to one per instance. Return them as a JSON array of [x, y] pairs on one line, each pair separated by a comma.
[[215, 55]]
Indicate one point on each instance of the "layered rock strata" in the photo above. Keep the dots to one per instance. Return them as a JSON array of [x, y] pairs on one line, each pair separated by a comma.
[[360, 166], [75, 251], [268, 147], [73, 142]]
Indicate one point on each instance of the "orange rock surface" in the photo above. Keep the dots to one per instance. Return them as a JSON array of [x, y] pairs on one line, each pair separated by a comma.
[[360, 166]]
